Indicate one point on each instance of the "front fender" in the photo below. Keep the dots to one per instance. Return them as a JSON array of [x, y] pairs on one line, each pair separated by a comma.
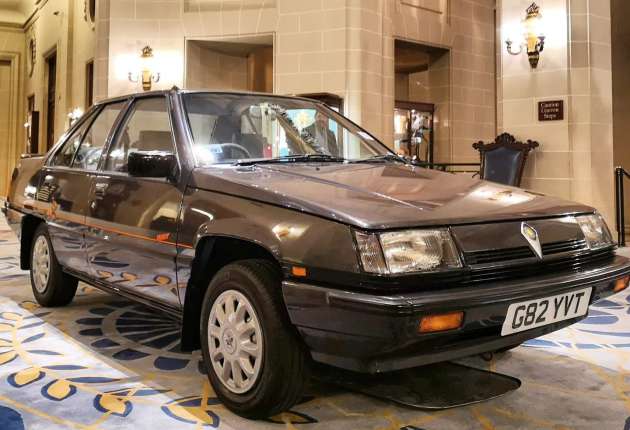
[[291, 236]]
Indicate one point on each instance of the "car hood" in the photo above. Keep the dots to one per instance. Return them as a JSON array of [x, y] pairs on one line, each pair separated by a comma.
[[381, 195]]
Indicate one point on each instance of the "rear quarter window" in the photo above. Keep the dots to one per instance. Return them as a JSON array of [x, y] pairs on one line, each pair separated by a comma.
[[64, 156]]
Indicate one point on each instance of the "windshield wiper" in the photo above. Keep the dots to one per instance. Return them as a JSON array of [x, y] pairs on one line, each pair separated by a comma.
[[301, 158], [382, 158]]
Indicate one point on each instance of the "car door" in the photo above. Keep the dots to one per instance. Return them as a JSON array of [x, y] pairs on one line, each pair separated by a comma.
[[63, 194], [65, 186], [133, 220]]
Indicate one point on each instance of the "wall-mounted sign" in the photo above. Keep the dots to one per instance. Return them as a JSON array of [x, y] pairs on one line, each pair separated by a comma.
[[552, 110]]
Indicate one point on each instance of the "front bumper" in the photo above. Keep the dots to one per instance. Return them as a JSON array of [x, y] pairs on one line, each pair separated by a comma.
[[369, 333]]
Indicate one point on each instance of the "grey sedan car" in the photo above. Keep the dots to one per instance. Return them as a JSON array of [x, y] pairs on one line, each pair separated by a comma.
[[281, 233]]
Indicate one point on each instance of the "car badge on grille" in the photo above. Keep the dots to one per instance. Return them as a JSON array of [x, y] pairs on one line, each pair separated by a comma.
[[531, 235]]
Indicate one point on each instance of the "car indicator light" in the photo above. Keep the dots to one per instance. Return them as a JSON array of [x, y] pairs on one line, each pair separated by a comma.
[[621, 284], [371, 253], [441, 322], [298, 271]]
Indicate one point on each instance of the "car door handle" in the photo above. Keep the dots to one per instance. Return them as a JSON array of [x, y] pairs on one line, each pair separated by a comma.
[[100, 189]]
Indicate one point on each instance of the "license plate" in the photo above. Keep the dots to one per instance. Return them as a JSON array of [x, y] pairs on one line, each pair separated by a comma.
[[548, 310]]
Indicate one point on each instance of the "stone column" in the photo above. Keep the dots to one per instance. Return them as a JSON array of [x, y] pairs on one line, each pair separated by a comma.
[[370, 66], [591, 85], [575, 159], [101, 57]]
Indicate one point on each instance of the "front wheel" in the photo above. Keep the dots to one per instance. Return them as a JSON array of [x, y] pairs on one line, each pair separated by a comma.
[[51, 286], [253, 358]]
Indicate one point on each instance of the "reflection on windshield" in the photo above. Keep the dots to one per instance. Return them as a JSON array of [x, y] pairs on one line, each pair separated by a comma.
[[230, 128]]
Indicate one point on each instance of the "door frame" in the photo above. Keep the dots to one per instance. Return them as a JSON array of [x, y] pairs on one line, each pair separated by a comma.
[[15, 148], [46, 57]]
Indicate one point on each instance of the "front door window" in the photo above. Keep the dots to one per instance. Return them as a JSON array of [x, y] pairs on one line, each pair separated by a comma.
[[147, 128]]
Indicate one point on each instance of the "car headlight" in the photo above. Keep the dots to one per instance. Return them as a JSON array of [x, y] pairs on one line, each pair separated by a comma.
[[408, 251], [595, 231]]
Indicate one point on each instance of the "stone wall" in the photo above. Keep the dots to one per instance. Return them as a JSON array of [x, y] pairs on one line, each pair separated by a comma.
[[344, 47], [11, 69], [466, 99], [575, 159], [206, 68], [620, 11]]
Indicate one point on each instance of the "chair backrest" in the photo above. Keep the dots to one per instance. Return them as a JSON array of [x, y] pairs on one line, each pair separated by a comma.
[[503, 160]]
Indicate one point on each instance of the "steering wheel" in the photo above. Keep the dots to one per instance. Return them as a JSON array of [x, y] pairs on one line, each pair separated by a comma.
[[237, 147], [88, 158]]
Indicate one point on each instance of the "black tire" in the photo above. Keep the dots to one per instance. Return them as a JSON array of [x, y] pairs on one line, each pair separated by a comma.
[[283, 372], [61, 287]]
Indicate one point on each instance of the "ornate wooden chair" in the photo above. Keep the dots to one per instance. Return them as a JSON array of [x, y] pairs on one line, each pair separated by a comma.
[[503, 160]]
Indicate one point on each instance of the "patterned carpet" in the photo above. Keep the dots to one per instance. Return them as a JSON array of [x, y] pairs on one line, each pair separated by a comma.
[[106, 363]]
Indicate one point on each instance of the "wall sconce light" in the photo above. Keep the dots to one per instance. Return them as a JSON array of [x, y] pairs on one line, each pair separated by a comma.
[[533, 38], [75, 115], [146, 74]]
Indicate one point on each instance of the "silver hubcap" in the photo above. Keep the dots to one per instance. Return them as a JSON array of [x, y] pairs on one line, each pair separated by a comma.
[[41, 264], [235, 341]]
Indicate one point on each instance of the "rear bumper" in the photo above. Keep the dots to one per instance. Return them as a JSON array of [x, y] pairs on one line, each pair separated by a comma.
[[368, 333], [14, 218]]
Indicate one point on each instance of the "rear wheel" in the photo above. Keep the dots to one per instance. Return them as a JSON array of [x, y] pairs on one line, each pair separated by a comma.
[[253, 358], [51, 286]]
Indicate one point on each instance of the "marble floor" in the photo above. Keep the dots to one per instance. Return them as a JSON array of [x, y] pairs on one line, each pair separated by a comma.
[[106, 363]]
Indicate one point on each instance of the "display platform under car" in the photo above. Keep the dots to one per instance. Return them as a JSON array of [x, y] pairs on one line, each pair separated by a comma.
[[437, 386], [286, 237]]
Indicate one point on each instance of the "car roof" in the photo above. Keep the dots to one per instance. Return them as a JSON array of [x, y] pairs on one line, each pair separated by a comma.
[[198, 91]]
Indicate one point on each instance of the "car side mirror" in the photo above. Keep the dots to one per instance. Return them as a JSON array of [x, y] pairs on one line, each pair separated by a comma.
[[151, 164]]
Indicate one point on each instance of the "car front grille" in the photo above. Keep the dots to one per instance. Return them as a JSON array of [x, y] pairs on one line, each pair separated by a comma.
[[569, 261], [517, 253]]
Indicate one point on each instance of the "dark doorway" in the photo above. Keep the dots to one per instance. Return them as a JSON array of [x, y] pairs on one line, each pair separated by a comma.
[[89, 84], [422, 91], [32, 132], [413, 129], [51, 96]]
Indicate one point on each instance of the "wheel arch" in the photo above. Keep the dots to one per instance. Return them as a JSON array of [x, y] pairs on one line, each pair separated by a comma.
[[29, 225], [213, 252]]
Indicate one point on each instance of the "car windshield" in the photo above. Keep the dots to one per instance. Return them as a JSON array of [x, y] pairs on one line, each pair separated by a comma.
[[230, 128]]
